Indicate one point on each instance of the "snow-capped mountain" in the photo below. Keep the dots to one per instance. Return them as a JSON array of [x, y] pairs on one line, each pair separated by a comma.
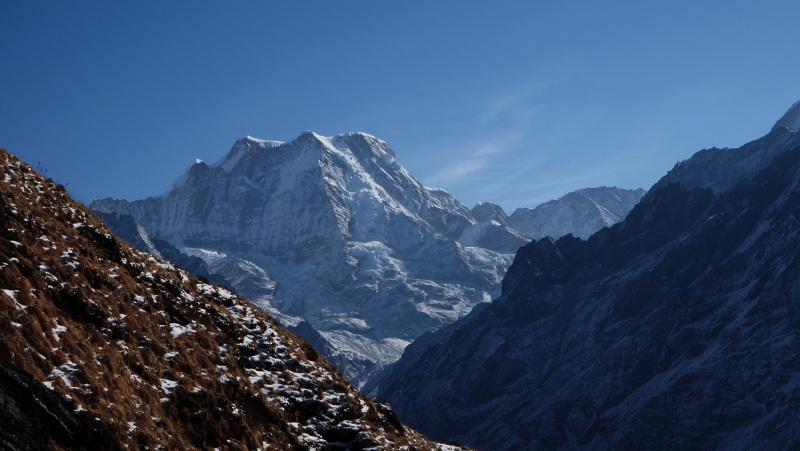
[[336, 239], [106, 347], [356, 246], [674, 329], [581, 213]]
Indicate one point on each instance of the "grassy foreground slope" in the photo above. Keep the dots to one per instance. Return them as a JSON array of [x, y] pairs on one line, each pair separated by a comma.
[[106, 347]]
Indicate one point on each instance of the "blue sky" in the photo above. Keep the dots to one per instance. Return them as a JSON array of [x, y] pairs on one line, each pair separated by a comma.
[[510, 102]]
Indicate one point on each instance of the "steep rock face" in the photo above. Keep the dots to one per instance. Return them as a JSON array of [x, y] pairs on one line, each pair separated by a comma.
[[106, 347], [675, 329], [355, 245], [580, 213]]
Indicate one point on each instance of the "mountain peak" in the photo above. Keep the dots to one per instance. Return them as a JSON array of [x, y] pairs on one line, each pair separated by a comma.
[[361, 134], [259, 142], [484, 211], [791, 119], [344, 141], [241, 147], [309, 133]]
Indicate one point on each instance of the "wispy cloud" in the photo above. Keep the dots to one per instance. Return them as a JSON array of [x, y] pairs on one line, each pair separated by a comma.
[[517, 171], [501, 126], [474, 156], [456, 171], [530, 143], [499, 145], [515, 148], [518, 101]]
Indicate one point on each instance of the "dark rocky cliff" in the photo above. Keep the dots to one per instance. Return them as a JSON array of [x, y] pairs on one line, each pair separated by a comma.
[[31, 416]]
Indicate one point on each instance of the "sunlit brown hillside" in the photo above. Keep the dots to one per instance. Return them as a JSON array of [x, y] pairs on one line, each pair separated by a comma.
[[137, 354]]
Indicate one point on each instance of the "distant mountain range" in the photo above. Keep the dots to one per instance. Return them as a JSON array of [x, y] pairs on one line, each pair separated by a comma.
[[677, 328], [580, 213], [333, 237], [104, 347]]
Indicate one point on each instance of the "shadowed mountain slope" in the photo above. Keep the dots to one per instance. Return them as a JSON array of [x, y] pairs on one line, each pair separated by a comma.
[[675, 329]]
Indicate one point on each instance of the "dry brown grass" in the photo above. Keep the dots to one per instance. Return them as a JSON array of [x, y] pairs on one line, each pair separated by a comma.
[[87, 306]]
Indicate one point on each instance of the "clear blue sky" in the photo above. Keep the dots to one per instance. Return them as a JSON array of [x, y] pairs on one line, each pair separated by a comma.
[[510, 102]]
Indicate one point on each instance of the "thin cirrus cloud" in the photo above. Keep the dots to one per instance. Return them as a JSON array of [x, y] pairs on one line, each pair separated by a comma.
[[475, 157], [518, 103], [457, 172], [529, 146], [506, 120]]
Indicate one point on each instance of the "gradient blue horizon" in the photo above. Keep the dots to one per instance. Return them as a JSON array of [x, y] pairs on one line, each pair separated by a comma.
[[514, 103]]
